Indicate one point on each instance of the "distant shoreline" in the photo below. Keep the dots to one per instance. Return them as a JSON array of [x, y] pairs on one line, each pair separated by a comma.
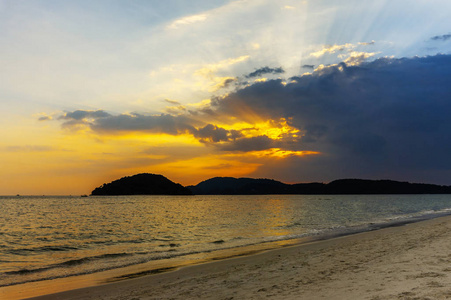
[[155, 184]]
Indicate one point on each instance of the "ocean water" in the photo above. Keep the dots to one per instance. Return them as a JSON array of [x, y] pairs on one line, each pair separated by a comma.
[[43, 238]]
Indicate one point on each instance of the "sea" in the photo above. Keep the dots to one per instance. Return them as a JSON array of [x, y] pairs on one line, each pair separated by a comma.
[[44, 238]]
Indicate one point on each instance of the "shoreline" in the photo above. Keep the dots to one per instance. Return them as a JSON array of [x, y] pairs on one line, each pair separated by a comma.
[[308, 268]]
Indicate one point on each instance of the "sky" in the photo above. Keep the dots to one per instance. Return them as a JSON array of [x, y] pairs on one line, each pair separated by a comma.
[[293, 90]]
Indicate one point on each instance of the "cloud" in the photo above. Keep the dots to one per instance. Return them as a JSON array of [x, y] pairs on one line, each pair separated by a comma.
[[356, 58], [384, 118], [222, 82], [443, 37], [175, 110], [215, 134], [265, 70], [389, 117], [80, 115], [249, 144], [176, 107], [332, 49], [345, 50], [209, 70], [45, 118], [80, 118], [308, 66], [367, 43], [104, 123], [210, 81], [172, 102], [163, 123], [188, 20]]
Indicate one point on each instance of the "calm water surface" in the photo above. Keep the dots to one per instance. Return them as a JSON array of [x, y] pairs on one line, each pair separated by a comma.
[[51, 237]]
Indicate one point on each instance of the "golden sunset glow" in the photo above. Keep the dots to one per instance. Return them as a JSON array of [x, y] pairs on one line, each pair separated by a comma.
[[274, 129], [157, 139], [220, 88], [206, 167], [279, 153]]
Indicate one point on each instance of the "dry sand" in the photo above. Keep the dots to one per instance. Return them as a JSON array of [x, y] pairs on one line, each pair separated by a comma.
[[405, 262]]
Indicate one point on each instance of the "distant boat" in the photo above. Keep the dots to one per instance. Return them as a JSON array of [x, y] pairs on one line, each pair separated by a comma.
[[84, 196]]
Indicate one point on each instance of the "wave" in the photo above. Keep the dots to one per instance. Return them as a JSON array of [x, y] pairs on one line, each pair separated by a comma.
[[116, 242], [146, 257], [63, 248], [22, 251], [96, 265], [68, 263], [218, 242]]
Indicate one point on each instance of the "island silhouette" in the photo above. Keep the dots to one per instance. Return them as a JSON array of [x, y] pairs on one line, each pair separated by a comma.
[[141, 184], [155, 184]]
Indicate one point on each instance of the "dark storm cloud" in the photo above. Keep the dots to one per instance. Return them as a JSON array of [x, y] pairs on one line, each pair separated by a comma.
[[212, 133], [387, 115], [265, 70], [443, 37]]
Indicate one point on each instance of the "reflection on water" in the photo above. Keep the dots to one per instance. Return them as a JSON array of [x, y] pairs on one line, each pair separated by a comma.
[[52, 237]]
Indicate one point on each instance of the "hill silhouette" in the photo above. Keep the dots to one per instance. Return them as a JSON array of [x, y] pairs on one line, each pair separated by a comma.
[[249, 186], [153, 184], [141, 184], [238, 186]]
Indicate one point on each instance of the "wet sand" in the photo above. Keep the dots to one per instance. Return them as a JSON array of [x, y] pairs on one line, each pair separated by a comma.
[[412, 261]]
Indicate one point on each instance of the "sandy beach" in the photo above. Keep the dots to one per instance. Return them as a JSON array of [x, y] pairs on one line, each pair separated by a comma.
[[404, 262]]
